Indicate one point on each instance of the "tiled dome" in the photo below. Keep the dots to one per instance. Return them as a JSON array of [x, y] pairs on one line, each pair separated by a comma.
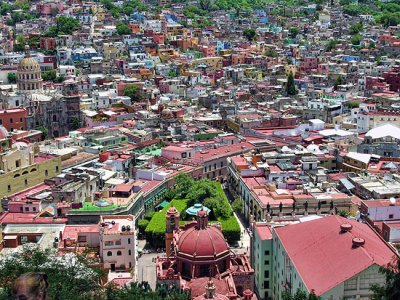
[[207, 243]]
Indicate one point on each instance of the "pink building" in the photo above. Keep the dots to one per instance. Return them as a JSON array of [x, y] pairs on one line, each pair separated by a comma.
[[50, 8], [117, 242], [308, 64], [176, 153]]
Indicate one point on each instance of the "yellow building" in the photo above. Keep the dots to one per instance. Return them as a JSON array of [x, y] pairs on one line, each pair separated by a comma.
[[290, 68], [215, 62], [22, 168]]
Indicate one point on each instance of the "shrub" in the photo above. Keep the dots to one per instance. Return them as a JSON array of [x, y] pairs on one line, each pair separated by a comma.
[[149, 215], [155, 230], [142, 224]]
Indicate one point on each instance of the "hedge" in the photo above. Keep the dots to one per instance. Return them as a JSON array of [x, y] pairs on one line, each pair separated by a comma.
[[155, 231], [230, 225]]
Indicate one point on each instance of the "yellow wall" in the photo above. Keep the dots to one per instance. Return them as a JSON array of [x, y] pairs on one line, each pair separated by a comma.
[[34, 174]]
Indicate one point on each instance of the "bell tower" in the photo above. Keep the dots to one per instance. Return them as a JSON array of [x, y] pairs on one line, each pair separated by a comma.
[[172, 217]]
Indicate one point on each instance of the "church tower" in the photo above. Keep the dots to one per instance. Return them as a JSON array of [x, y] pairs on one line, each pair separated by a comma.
[[172, 217]]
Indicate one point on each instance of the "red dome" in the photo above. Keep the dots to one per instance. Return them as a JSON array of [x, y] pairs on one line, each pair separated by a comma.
[[208, 243]]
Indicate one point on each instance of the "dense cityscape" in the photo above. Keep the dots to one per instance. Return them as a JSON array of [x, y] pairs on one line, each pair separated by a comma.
[[200, 149]]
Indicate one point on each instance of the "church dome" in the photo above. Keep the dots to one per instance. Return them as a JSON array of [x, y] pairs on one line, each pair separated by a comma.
[[208, 243], [29, 76]]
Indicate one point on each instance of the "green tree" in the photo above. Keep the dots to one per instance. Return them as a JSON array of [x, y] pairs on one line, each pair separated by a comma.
[[64, 25], [69, 276], [12, 77], [290, 86], [44, 130], [356, 39], [353, 104], [49, 75], [134, 92], [338, 81], [183, 183], [356, 28], [294, 31], [19, 46], [343, 213], [331, 45], [249, 34], [205, 4], [237, 205], [142, 224], [75, 123], [123, 29], [391, 290]]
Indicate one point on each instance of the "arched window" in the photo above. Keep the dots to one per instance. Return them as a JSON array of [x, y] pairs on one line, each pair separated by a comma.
[[109, 253], [33, 170], [46, 173], [24, 172], [119, 253], [16, 175]]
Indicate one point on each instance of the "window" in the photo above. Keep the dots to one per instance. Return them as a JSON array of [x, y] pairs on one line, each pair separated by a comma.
[[129, 252], [26, 181], [215, 166], [108, 243], [129, 240], [266, 252], [266, 274], [20, 119], [266, 284], [33, 208], [26, 208], [117, 243], [9, 187], [57, 171], [46, 173], [390, 216], [119, 253], [266, 262], [11, 120], [109, 253]]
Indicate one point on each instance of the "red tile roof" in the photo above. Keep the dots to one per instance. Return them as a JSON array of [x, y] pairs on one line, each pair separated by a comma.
[[263, 231], [324, 257], [23, 218]]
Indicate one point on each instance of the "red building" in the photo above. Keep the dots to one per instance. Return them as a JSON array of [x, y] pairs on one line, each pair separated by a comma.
[[393, 79], [199, 260], [13, 119], [48, 43]]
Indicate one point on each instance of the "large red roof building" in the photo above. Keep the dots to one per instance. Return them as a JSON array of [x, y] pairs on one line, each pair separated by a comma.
[[199, 261]]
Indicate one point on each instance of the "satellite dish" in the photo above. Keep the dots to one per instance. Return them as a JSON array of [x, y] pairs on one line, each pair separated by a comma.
[[392, 200]]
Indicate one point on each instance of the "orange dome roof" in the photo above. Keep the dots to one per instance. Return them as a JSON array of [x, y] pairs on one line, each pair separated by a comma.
[[208, 243]]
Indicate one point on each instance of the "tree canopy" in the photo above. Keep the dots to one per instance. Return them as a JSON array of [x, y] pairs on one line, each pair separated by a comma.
[[290, 86], [69, 276], [134, 92], [123, 29], [249, 34], [64, 25]]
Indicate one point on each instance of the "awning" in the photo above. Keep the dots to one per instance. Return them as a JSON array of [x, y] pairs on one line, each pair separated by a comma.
[[347, 184], [162, 204]]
